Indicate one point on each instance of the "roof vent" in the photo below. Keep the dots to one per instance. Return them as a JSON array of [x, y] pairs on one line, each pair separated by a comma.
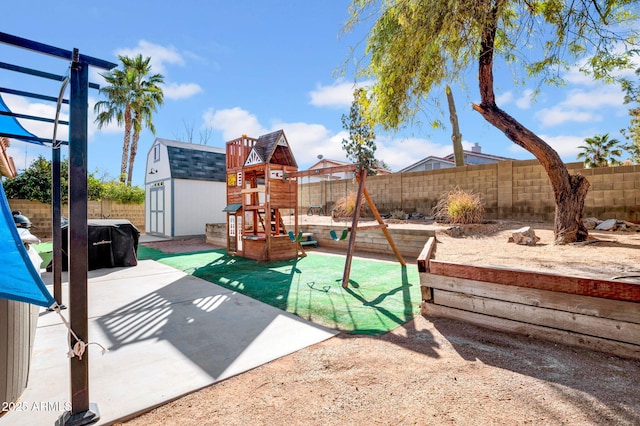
[[476, 148]]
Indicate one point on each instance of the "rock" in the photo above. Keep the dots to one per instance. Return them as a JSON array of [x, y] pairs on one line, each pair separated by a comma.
[[524, 236], [630, 226], [607, 225], [455, 231], [591, 222]]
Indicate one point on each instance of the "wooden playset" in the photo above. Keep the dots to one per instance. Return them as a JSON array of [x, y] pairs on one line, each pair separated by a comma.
[[258, 197]]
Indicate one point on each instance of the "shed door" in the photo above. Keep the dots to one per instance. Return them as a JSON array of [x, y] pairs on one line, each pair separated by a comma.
[[156, 210]]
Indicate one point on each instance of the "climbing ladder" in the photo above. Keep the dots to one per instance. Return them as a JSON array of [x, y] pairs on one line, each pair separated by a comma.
[[276, 224]]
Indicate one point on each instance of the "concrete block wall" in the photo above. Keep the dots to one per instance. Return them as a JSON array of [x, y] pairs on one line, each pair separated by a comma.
[[216, 234], [408, 241], [40, 214], [517, 190]]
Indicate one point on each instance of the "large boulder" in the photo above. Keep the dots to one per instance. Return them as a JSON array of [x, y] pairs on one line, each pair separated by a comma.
[[524, 236]]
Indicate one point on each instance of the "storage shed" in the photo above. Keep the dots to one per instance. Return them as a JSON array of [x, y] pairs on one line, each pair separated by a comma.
[[185, 188]]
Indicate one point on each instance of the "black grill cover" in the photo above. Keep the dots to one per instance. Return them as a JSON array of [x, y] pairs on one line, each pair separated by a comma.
[[111, 243]]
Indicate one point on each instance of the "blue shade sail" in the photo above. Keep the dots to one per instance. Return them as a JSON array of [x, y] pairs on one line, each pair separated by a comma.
[[9, 125], [19, 279]]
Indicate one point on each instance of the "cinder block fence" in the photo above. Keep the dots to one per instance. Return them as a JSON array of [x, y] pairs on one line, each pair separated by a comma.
[[518, 190]]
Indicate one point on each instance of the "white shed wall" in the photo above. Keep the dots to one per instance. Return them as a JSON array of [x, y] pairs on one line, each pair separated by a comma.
[[195, 204]]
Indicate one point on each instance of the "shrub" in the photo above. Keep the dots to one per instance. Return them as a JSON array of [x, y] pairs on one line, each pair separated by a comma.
[[123, 194], [35, 184], [459, 206], [398, 214], [345, 206]]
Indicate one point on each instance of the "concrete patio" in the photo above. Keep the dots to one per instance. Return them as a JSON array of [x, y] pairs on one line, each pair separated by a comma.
[[168, 334]]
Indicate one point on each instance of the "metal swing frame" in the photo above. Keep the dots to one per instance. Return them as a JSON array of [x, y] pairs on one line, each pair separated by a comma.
[[82, 411]]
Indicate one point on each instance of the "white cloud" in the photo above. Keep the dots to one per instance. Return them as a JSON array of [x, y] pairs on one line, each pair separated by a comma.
[[45, 130], [524, 102], [560, 115], [504, 98], [21, 105], [565, 145], [575, 76], [160, 55], [584, 105], [399, 153], [602, 96], [24, 153], [233, 122], [180, 91], [337, 95], [308, 140]]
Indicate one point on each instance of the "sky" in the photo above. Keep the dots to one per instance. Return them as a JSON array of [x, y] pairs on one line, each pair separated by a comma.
[[252, 67]]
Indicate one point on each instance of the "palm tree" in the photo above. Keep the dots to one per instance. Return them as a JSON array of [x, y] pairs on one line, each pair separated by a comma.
[[118, 107], [133, 95], [149, 96], [600, 151]]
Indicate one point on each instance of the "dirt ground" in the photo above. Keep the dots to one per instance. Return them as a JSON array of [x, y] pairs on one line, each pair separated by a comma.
[[436, 371]]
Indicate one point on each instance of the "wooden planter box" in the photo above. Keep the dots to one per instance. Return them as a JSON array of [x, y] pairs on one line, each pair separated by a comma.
[[601, 315]]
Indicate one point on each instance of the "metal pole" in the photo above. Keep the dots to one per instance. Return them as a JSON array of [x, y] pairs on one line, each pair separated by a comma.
[[82, 413], [56, 232]]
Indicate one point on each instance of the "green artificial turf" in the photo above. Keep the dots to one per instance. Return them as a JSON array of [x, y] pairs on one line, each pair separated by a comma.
[[380, 297], [45, 250]]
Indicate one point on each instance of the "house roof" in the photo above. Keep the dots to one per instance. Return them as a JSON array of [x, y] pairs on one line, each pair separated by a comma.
[[479, 155], [326, 162], [272, 148], [429, 159], [195, 162], [476, 151]]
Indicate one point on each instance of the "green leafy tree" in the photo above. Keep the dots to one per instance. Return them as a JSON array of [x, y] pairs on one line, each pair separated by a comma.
[[361, 145], [632, 133], [600, 151], [35, 184], [381, 165], [133, 95], [633, 149], [417, 46]]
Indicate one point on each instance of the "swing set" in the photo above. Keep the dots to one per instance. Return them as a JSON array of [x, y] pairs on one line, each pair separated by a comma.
[[345, 231], [361, 175]]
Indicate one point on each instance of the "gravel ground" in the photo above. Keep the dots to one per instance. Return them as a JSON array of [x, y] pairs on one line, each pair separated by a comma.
[[435, 371]]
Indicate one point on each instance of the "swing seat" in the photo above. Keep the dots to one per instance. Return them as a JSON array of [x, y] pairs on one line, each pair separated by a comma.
[[293, 237], [342, 237]]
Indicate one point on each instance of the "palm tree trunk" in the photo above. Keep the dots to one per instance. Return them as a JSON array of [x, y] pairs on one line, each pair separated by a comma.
[[132, 154], [569, 190], [125, 144]]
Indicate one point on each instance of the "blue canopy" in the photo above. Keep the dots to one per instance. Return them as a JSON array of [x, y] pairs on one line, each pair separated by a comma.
[[19, 279], [11, 126]]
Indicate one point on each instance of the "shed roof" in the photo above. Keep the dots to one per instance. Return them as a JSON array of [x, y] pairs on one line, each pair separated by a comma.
[[195, 162]]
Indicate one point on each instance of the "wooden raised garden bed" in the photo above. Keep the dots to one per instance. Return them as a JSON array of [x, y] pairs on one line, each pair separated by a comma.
[[598, 314]]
